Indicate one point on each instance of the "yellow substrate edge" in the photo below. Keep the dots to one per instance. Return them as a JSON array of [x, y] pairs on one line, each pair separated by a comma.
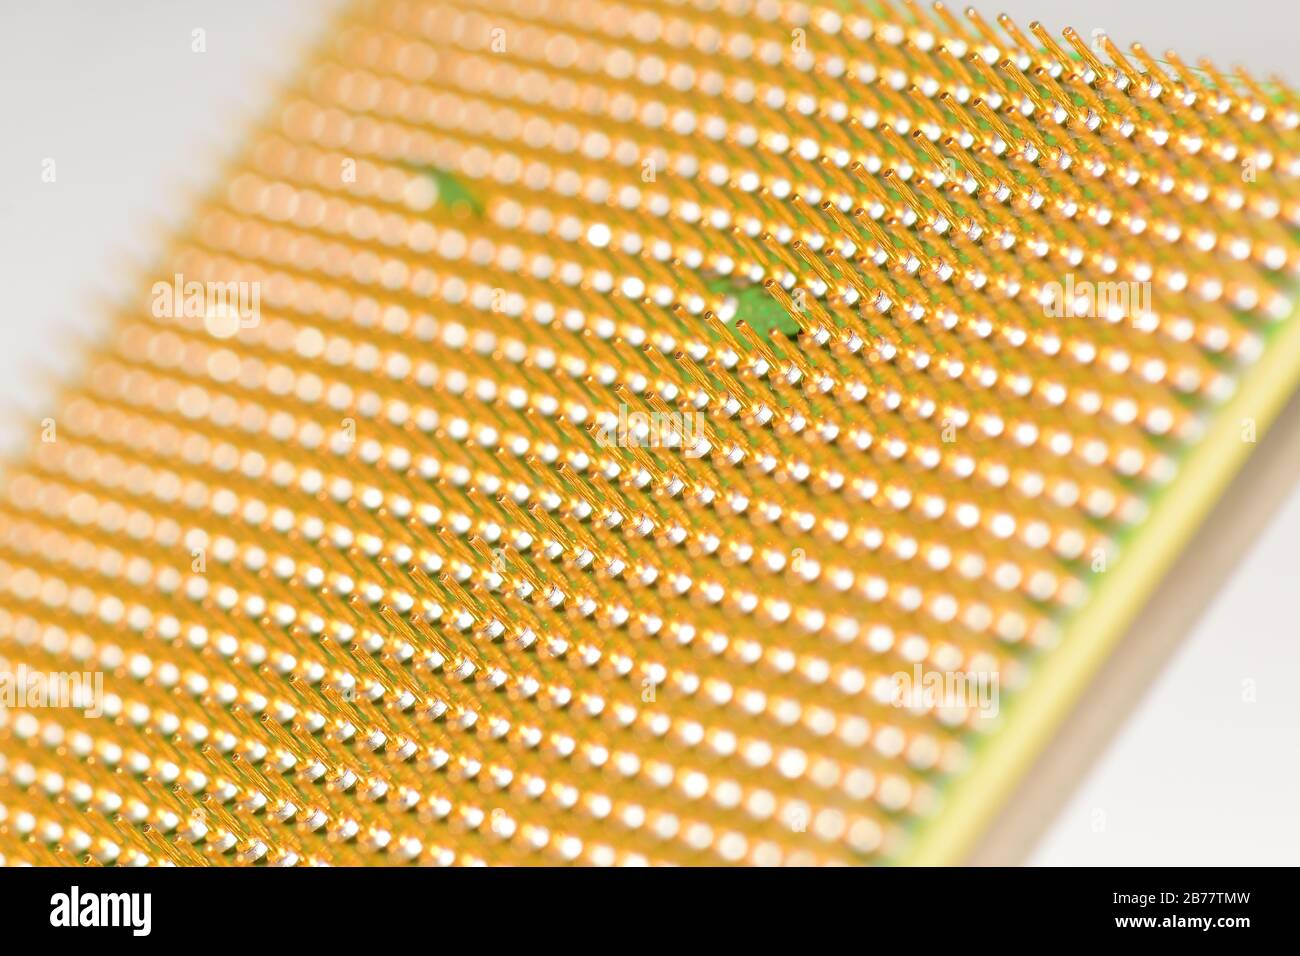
[[1058, 680]]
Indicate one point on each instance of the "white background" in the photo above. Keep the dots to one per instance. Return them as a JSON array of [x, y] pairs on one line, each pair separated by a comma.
[[138, 124]]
